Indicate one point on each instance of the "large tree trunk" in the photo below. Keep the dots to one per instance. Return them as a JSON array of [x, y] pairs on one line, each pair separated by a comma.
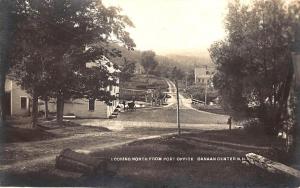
[[284, 111], [60, 108], [2, 97], [296, 86], [34, 109], [5, 27], [46, 108], [296, 133]]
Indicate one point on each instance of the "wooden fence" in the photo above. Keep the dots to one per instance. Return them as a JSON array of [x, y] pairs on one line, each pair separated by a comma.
[[195, 101]]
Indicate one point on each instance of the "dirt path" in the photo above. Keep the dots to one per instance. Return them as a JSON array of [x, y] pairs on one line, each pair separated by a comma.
[[27, 155], [86, 138], [184, 103], [117, 125]]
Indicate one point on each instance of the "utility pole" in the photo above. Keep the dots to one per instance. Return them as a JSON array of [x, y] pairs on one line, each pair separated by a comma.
[[205, 94], [178, 119]]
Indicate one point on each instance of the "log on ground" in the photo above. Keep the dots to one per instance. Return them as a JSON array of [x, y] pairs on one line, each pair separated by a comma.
[[70, 160], [272, 166]]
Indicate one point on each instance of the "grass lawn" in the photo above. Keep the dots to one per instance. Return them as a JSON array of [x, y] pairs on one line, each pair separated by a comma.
[[172, 173], [169, 115], [14, 134], [18, 129], [210, 108], [198, 173]]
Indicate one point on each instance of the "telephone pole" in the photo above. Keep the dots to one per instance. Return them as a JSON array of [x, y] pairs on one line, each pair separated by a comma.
[[178, 119], [205, 94]]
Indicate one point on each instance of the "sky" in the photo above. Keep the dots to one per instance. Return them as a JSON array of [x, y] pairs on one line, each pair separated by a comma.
[[169, 26]]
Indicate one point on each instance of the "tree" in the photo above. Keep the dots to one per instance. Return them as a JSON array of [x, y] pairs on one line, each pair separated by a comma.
[[71, 33], [148, 61], [31, 75], [95, 79], [191, 77], [177, 74], [4, 32], [127, 70], [254, 69], [8, 21]]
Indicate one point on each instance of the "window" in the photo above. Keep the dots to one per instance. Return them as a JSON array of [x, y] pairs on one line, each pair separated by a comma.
[[91, 104], [23, 102]]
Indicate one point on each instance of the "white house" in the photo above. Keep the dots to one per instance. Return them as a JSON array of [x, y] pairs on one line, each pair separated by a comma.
[[85, 108], [203, 74], [19, 100]]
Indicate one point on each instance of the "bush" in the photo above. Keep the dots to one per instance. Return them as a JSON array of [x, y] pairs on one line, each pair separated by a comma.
[[252, 126]]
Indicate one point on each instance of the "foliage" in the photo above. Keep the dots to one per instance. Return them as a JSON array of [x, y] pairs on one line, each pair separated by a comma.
[[177, 74], [198, 92], [8, 20], [57, 38], [94, 81], [185, 62], [254, 61], [252, 126], [148, 61], [127, 70], [191, 77], [165, 64]]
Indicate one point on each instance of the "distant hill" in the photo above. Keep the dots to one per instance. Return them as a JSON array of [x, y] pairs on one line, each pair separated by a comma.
[[190, 61], [184, 60]]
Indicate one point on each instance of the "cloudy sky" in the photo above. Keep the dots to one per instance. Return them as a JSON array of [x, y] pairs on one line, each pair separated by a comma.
[[167, 26]]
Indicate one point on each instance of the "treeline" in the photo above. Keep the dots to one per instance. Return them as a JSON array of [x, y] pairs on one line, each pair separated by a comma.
[[49, 43], [178, 67], [254, 62]]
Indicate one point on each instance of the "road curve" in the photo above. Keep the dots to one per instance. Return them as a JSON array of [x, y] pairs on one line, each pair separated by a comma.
[[184, 103]]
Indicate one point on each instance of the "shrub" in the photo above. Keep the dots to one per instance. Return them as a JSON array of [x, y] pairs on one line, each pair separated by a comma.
[[252, 126]]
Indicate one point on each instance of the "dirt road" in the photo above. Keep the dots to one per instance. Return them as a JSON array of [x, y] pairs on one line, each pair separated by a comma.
[[128, 127]]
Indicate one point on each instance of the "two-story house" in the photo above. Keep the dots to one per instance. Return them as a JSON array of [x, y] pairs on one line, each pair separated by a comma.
[[203, 74], [17, 101]]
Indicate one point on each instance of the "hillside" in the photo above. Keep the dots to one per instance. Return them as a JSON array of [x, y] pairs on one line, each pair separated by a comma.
[[183, 60], [188, 62]]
